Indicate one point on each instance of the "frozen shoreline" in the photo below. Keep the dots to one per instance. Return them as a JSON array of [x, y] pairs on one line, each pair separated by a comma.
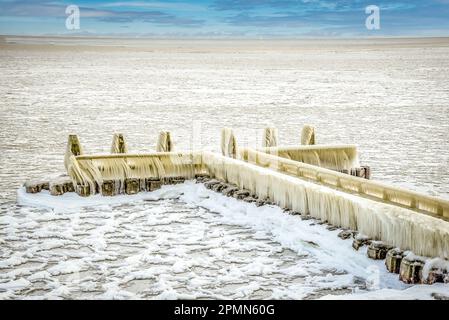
[[321, 247]]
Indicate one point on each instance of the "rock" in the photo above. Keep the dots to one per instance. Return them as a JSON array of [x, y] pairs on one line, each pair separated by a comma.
[[202, 178], [241, 194], [83, 190], [411, 270], [249, 199], [439, 296], [36, 186], [331, 228], [132, 186], [435, 275], [378, 250], [46, 185], [109, 188], [152, 184], [68, 186], [393, 260], [295, 213], [211, 183], [306, 217], [173, 180], [229, 190], [56, 189], [219, 186], [260, 202], [360, 241], [345, 234]]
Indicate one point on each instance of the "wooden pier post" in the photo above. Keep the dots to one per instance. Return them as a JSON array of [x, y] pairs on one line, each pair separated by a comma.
[[308, 135], [270, 138], [228, 143], [164, 142], [119, 144], [73, 148]]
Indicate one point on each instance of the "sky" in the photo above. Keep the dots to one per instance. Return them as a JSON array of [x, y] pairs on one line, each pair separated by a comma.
[[226, 18]]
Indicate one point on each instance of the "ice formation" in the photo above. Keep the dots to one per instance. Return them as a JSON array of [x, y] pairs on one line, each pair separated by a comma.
[[73, 149], [367, 188], [164, 143], [270, 138], [228, 143], [119, 144], [334, 157], [93, 170], [308, 135], [348, 203], [407, 229]]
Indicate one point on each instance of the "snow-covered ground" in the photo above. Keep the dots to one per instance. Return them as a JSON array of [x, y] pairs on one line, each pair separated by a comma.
[[182, 241]]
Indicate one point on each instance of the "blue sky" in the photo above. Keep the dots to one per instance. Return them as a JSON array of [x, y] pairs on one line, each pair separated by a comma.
[[227, 18]]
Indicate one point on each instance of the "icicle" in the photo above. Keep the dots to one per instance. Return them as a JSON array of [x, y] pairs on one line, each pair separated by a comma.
[[270, 137], [351, 184], [334, 157], [119, 144], [398, 226], [308, 135], [73, 149], [228, 143], [164, 143]]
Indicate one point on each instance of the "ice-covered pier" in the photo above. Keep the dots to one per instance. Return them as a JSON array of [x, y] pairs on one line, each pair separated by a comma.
[[321, 181]]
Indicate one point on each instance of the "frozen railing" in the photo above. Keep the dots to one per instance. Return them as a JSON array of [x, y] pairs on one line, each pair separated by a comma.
[[90, 172], [374, 189], [396, 225], [334, 157]]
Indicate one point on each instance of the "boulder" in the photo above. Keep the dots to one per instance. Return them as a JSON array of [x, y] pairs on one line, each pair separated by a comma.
[[345, 234], [201, 178], [360, 241], [250, 199], [36, 186], [241, 194], [209, 184], [56, 189], [229, 190], [219, 186], [435, 275]]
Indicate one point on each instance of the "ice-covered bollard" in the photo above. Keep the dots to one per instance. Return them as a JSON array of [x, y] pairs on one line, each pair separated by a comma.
[[132, 186], [308, 135], [270, 137], [110, 188], [153, 184], [164, 142], [411, 270], [393, 260], [119, 144], [378, 250], [360, 241]]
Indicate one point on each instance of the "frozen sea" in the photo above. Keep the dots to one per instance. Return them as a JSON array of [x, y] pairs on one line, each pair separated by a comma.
[[390, 97]]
